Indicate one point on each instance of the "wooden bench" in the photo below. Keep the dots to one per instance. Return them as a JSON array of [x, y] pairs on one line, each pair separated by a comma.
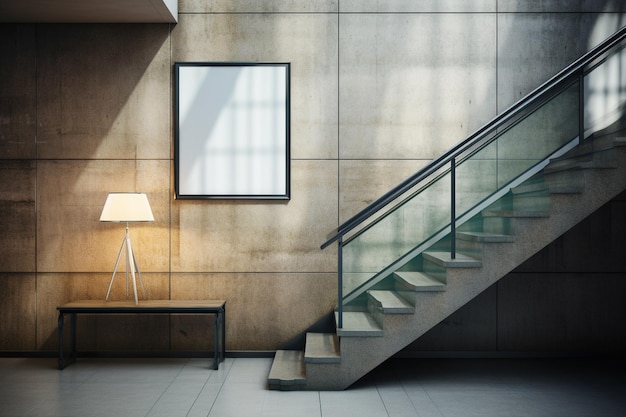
[[216, 307]]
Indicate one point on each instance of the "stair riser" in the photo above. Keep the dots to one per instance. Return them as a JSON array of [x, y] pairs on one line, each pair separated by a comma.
[[534, 185], [600, 159], [469, 248], [498, 225], [523, 202], [407, 294], [376, 313], [564, 182], [435, 271]]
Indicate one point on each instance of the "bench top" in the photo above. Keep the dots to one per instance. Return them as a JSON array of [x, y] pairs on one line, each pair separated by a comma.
[[152, 306]]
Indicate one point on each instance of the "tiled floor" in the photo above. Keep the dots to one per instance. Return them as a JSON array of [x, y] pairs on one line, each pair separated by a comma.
[[399, 388]]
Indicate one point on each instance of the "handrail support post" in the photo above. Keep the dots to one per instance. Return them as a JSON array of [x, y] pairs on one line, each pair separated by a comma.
[[339, 283], [581, 104], [453, 208]]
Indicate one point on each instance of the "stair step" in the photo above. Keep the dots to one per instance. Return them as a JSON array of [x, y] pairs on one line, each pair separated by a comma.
[[358, 324], [389, 302], [516, 213], [531, 186], [322, 348], [418, 281], [568, 164], [445, 260], [567, 187], [485, 237], [288, 371], [590, 146], [585, 161]]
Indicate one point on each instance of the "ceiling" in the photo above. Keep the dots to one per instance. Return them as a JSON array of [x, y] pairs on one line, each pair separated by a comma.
[[89, 11]]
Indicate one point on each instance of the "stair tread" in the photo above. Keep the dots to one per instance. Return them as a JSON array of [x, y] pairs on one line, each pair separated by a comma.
[[390, 302], [359, 323], [445, 259], [287, 369], [485, 237], [532, 187], [578, 162], [322, 348], [420, 281], [515, 213], [565, 188]]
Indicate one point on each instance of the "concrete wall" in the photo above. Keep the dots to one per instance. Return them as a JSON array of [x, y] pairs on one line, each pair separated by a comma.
[[378, 89]]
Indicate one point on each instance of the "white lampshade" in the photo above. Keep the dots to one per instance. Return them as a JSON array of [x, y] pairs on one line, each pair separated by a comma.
[[127, 207]]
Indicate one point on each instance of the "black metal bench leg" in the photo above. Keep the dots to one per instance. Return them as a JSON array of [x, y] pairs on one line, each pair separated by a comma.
[[216, 359], [73, 334], [224, 333], [60, 340]]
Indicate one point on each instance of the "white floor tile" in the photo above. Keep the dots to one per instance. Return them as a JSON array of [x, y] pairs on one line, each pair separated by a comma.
[[32, 387]]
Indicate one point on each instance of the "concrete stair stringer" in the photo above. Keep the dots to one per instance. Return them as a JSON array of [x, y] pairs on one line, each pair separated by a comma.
[[360, 355]]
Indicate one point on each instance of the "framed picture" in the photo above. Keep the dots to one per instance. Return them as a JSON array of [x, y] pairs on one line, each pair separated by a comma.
[[232, 128]]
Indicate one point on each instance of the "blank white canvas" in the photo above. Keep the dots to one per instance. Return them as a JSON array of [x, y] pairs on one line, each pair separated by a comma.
[[232, 130]]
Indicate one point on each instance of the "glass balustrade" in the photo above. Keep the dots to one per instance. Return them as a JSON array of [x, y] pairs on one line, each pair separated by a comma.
[[479, 173], [482, 173]]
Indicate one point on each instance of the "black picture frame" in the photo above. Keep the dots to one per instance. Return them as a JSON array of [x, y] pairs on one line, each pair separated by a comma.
[[232, 130]]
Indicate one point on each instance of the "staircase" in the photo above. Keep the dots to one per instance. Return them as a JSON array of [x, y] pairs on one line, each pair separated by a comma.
[[385, 305]]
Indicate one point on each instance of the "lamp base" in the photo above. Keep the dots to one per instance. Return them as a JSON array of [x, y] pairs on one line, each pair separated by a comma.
[[131, 265]]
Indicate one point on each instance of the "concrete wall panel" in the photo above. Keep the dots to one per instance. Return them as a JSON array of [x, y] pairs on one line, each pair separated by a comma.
[[248, 236], [94, 83], [18, 91], [589, 317], [560, 6], [264, 310], [18, 312], [308, 42], [362, 182], [100, 333], [534, 47], [415, 84], [258, 6], [18, 213], [415, 6], [70, 197]]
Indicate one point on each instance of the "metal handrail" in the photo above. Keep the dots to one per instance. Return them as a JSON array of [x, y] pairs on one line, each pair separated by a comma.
[[572, 70]]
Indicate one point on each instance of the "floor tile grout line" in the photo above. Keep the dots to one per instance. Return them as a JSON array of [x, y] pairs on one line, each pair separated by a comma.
[[219, 391], [382, 400], [413, 402], [319, 398], [166, 388], [200, 393]]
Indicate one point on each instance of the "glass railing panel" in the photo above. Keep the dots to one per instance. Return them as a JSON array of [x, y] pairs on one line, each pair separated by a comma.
[[476, 178], [539, 134], [393, 235], [605, 94], [525, 143], [528, 141]]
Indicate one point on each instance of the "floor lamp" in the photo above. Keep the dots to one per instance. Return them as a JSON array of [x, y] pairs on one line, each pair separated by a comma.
[[127, 207]]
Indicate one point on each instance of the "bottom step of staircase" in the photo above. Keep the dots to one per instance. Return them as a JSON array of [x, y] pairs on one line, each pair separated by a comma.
[[288, 371]]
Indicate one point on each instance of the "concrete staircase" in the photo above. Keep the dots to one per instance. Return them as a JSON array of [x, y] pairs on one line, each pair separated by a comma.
[[503, 236]]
